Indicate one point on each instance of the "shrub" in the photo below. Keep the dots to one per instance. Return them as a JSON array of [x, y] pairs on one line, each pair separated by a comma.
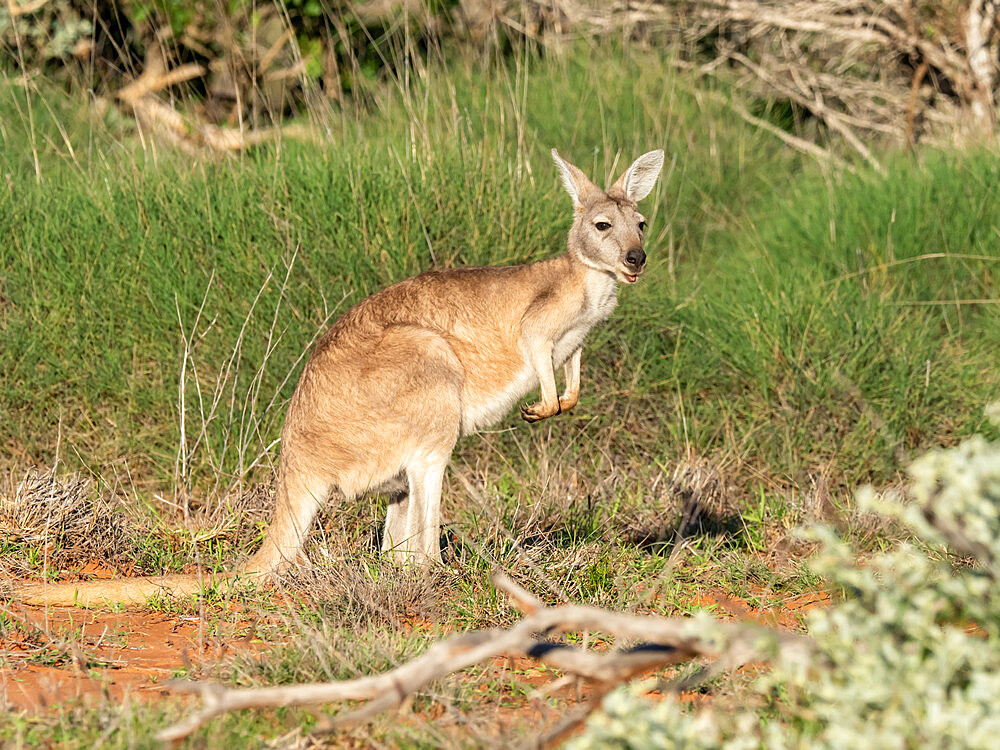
[[909, 657]]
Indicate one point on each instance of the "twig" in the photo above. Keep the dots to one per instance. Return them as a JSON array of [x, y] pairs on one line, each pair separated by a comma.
[[666, 641], [19, 10]]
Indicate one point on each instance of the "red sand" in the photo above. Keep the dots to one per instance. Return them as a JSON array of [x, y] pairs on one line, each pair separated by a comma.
[[69, 654], [66, 654]]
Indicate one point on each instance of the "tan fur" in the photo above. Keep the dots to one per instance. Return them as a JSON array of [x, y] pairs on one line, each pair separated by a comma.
[[396, 380]]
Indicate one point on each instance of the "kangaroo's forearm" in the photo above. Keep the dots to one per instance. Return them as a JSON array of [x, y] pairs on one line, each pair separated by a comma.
[[540, 354], [571, 369]]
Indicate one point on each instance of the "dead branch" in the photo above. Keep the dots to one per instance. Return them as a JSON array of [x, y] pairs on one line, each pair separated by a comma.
[[149, 82], [193, 136], [663, 642], [20, 10], [187, 132]]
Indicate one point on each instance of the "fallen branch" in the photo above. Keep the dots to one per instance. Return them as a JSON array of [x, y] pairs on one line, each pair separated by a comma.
[[149, 82], [663, 642], [20, 10], [193, 136], [186, 133]]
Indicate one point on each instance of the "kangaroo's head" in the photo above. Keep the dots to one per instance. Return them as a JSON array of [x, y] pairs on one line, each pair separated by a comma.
[[608, 229]]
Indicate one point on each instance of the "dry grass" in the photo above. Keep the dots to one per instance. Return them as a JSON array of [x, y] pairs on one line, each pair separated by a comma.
[[54, 524], [68, 518]]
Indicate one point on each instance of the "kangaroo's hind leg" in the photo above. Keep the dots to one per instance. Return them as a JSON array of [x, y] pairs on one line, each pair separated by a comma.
[[413, 517], [430, 407], [423, 519], [395, 532]]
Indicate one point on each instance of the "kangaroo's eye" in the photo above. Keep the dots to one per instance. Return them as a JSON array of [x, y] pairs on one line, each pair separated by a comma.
[[642, 226], [602, 226]]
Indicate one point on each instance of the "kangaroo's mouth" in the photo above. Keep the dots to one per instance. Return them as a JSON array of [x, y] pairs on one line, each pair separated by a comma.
[[628, 277]]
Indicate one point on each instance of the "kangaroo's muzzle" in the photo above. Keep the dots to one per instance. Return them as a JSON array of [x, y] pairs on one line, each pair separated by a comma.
[[635, 261]]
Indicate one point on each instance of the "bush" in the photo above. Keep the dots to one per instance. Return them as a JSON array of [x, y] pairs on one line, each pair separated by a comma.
[[910, 657]]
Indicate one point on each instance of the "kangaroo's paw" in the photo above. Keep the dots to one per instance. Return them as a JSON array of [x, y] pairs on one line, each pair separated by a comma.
[[538, 412], [567, 402]]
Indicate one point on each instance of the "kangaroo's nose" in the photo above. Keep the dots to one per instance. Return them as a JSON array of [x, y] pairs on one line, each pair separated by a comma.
[[635, 257]]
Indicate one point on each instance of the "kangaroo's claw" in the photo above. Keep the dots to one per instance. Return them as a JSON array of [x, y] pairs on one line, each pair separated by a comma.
[[538, 412]]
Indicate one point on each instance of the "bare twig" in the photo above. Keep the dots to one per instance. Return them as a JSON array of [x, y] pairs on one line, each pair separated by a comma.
[[665, 642], [19, 10]]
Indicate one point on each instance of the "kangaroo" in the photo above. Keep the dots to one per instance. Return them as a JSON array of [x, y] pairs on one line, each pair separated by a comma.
[[401, 376]]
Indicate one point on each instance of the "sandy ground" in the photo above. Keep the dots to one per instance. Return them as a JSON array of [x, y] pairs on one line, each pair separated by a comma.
[[60, 655], [66, 654]]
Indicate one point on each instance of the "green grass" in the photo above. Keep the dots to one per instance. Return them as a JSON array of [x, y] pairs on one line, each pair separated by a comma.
[[798, 332], [781, 320], [834, 327], [107, 251]]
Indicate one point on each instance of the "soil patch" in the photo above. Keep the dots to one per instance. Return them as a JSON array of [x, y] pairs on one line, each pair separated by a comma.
[[786, 613], [60, 654]]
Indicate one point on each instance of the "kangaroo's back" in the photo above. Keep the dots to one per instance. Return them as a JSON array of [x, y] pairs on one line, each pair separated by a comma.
[[478, 313], [474, 304]]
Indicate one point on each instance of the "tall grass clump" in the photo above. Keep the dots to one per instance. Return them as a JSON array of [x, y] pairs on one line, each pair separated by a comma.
[[795, 324], [908, 658], [155, 304], [846, 323]]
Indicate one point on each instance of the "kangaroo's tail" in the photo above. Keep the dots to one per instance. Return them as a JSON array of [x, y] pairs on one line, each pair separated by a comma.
[[122, 591], [284, 540], [267, 560], [138, 590]]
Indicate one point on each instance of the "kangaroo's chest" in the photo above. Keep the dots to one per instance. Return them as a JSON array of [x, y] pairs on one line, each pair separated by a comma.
[[601, 296], [599, 300], [489, 397]]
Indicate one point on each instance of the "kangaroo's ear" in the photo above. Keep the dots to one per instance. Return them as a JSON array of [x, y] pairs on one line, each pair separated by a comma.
[[576, 182], [639, 179]]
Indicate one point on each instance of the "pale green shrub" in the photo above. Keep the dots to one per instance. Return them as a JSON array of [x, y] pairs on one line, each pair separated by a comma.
[[909, 658]]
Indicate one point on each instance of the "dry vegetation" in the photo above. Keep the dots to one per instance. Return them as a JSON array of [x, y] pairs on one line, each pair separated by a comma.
[[901, 71], [660, 642]]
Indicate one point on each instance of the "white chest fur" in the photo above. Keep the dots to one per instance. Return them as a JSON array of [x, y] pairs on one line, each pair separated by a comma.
[[600, 298], [602, 295]]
